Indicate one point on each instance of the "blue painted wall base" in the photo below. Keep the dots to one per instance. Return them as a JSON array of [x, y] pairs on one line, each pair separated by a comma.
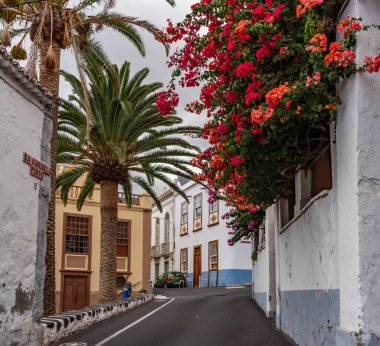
[[227, 277]]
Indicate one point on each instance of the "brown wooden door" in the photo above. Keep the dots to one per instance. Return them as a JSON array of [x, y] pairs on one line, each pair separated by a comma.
[[75, 292], [197, 265]]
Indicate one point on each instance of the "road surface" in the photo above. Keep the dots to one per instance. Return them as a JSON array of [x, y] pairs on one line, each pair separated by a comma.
[[188, 317]]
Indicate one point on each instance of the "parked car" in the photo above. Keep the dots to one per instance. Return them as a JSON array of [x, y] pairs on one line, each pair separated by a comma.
[[171, 279]]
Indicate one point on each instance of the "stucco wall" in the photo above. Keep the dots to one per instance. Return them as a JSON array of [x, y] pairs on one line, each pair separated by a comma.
[[309, 274], [264, 268], [23, 213], [358, 147], [140, 242]]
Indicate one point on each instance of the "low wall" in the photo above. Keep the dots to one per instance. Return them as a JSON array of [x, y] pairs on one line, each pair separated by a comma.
[[261, 279], [308, 274], [61, 325]]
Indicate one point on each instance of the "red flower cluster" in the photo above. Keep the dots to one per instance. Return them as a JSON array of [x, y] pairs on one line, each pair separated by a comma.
[[372, 65], [339, 57], [307, 5], [274, 96], [319, 43], [244, 69], [257, 75], [348, 25], [167, 101]]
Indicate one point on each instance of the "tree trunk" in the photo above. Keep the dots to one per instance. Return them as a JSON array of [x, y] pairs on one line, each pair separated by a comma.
[[108, 240], [49, 78]]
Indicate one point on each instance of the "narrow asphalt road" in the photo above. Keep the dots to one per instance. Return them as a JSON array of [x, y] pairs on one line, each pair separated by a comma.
[[202, 317]]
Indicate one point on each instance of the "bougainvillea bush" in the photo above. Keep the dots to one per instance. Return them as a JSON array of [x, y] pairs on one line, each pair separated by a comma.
[[268, 72]]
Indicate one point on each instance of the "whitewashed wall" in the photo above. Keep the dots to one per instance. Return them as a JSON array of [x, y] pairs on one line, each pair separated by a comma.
[[23, 211], [358, 148], [308, 277], [264, 276]]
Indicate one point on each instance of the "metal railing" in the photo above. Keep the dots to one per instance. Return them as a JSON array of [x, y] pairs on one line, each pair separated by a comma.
[[165, 247], [75, 191], [135, 199]]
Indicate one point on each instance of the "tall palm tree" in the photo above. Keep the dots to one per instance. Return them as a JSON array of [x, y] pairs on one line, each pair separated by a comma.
[[53, 25], [130, 142]]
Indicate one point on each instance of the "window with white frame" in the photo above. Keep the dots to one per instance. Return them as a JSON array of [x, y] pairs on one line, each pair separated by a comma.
[[157, 231], [213, 255], [184, 260], [198, 206], [214, 207], [184, 213], [167, 228]]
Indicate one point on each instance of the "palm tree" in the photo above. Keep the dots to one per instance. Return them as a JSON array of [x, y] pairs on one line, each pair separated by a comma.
[[53, 25], [130, 142]]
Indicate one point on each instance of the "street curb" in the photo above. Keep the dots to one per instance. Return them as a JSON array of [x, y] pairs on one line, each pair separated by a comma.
[[61, 325]]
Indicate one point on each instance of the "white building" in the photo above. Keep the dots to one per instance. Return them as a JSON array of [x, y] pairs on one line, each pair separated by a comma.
[[162, 240], [201, 248], [318, 269], [192, 238]]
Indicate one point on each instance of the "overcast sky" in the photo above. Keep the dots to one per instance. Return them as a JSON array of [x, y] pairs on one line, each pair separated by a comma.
[[119, 50]]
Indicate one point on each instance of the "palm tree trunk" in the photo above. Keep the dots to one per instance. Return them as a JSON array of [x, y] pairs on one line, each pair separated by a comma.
[[49, 78], [108, 240]]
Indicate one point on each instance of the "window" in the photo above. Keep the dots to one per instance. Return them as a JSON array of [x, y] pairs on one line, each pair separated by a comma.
[[122, 239], [184, 211], [183, 260], [76, 234], [214, 207], [157, 231], [166, 266], [213, 215], [198, 206], [213, 255], [167, 228], [156, 270]]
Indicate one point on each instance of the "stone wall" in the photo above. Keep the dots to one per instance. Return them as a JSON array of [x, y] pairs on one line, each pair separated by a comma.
[[25, 126]]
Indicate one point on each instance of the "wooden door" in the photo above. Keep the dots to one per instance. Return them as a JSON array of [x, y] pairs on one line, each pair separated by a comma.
[[197, 265], [75, 292]]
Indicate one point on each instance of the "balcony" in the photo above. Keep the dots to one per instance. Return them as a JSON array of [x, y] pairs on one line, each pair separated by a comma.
[[156, 251], [75, 191], [135, 199], [165, 249]]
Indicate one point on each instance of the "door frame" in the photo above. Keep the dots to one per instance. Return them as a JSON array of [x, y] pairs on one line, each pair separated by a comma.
[[200, 261], [73, 273]]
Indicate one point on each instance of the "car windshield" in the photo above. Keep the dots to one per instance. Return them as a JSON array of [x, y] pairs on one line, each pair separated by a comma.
[[176, 274]]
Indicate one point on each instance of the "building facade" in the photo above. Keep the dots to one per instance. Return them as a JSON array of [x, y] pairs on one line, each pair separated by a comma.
[[25, 133], [163, 233], [318, 265], [201, 248], [78, 247]]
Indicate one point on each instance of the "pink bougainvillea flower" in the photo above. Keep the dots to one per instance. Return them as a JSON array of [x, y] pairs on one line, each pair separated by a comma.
[[244, 69], [167, 101], [237, 161]]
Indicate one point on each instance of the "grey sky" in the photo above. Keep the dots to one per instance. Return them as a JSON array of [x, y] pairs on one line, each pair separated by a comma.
[[119, 50]]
